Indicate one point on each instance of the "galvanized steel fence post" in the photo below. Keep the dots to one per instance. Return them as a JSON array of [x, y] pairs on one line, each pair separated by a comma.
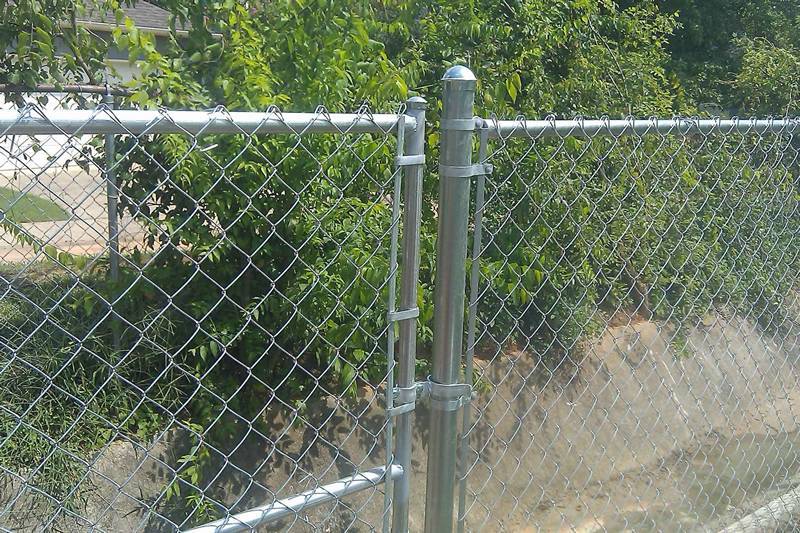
[[414, 154], [472, 315], [112, 197], [455, 167]]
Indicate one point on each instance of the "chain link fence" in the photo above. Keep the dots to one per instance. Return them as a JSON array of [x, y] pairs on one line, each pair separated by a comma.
[[220, 321], [53, 173], [633, 334], [224, 343]]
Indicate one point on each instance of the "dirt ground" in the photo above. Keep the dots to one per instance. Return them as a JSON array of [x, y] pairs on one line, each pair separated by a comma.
[[704, 489], [637, 440]]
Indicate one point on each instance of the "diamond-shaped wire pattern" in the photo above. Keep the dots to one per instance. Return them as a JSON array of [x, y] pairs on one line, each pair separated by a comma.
[[62, 198], [636, 326], [633, 338], [238, 355]]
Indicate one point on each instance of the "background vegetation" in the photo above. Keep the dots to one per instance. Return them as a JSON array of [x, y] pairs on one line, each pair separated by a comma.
[[652, 228]]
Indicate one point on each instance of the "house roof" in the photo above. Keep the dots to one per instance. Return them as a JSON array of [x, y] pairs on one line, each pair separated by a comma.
[[144, 15]]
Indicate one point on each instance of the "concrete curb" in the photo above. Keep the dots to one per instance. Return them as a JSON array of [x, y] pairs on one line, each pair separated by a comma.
[[772, 516]]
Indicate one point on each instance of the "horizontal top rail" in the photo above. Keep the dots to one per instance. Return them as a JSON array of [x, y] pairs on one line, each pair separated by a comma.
[[521, 127], [37, 121]]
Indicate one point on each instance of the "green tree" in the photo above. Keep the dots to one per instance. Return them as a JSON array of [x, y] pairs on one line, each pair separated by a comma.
[[719, 42], [539, 57], [267, 254], [43, 42]]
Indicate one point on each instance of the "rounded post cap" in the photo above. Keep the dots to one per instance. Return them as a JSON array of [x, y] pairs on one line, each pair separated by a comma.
[[416, 102], [459, 73]]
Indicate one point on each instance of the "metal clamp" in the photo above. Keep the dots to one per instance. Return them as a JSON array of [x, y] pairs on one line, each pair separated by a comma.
[[458, 124], [449, 397], [409, 160], [479, 169], [406, 398], [443, 397], [405, 314], [401, 409]]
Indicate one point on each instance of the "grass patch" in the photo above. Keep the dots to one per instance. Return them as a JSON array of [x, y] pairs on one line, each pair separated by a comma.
[[26, 207]]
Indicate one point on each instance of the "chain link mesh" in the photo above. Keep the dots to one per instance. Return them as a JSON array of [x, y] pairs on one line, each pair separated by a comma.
[[635, 333], [54, 174], [239, 353], [226, 342]]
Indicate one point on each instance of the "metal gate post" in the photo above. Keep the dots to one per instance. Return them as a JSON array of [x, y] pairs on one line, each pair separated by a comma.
[[455, 167], [414, 155], [112, 197]]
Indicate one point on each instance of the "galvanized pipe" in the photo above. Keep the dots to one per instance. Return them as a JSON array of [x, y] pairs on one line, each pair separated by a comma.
[[112, 197], [64, 89], [674, 126], [390, 336], [407, 350], [448, 330], [472, 317], [260, 516], [34, 121]]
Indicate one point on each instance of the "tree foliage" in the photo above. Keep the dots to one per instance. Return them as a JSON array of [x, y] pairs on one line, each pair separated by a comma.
[[718, 40], [644, 226], [43, 42]]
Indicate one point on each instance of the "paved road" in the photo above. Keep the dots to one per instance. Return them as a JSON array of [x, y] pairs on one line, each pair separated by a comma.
[[82, 195]]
